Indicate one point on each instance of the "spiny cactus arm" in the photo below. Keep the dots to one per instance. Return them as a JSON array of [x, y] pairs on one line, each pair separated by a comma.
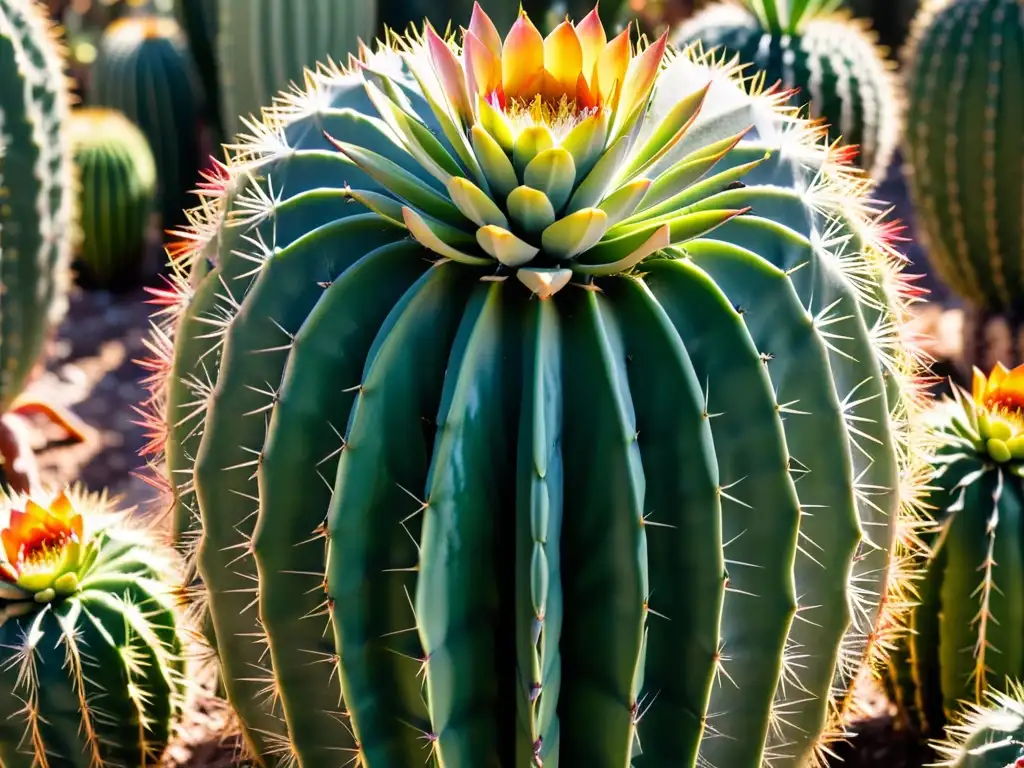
[[540, 476], [989, 734], [923, 644], [468, 511], [821, 467], [370, 560], [602, 525], [671, 410], [299, 465], [981, 637], [760, 509], [285, 290]]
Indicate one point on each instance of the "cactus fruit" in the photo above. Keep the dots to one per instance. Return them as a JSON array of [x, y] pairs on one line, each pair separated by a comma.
[[987, 735], [448, 325], [264, 46], [117, 192], [36, 218], [144, 70], [91, 670], [976, 557], [830, 59]]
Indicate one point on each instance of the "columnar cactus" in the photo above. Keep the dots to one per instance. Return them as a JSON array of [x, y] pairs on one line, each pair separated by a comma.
[[264, 46], [449, 325], [968, 631], [199, 20], [118, 188], [830, 59], [91, 670], [37, 214], [144, 70], [988, 735], [965, 71]]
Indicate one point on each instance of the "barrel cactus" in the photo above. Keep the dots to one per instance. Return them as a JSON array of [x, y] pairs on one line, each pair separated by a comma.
[[988, 735], [144, 70], [965, 163], [448, 325], [91, 664], [264, 46], [968, 630], [36, 219], [118, 188], [829, 59]]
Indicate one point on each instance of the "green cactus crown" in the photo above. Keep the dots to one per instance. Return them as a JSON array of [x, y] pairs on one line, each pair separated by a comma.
[[787, 17]]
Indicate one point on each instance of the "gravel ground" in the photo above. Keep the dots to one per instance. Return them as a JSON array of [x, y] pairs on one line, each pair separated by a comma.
[[92, 369]]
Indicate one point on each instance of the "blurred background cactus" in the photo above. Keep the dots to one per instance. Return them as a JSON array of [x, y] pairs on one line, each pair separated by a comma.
[[117, 191], [145, 71], [92, 670], [831, 58], [965, 164]]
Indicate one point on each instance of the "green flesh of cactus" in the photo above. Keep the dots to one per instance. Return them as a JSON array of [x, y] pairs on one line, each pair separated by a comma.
[[199, 20], [145, 71], [36, 184], [399, 473], [93, 678], [965, 73], [264, 46], [968, 630], [831, 60], [987, 735], [117, 174]]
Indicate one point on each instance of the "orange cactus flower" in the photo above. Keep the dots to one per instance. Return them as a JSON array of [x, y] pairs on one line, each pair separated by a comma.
[[41, 544], [572, 71], [1002, 390]]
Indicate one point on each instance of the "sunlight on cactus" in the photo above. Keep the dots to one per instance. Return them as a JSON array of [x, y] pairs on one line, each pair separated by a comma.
[[443, 330], [989, 734]]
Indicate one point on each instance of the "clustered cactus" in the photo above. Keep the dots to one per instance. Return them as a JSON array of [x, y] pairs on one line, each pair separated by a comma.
[[117, 177], [828, 58], [965, 163], [968, 629], [449, 323], [144, 70], [91, 664]]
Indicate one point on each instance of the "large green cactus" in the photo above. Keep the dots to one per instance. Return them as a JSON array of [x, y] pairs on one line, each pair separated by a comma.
[[965, 159], [988, 735], [830, 59], [144, 70], [118, 188], [91, 665], [969, 627], [264, 46], [461, 391], [37, 211]]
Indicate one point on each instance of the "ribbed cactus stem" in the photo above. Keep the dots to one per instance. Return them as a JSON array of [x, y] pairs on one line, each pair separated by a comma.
[[459, 354]]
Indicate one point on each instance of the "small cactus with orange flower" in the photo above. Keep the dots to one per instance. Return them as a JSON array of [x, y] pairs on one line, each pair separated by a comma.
[[987, 734], [91, 665], [968, 630], [479, 352]]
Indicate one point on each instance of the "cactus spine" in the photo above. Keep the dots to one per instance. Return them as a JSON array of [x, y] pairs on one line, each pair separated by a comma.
[[988, 735], [91, 670], [36, 185], [118, 189], [965, 70], [264, 46], [145, 71], [460, 439], [968, 630], [831, 60]]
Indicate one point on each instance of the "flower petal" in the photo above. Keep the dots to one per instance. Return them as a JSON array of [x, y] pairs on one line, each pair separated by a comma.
[[978, 385], [522, 57], [612, 66], [590, 32], [563, 56], [483, 68], [449, 73], [483, 29], [636, 88], [12, 546]]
